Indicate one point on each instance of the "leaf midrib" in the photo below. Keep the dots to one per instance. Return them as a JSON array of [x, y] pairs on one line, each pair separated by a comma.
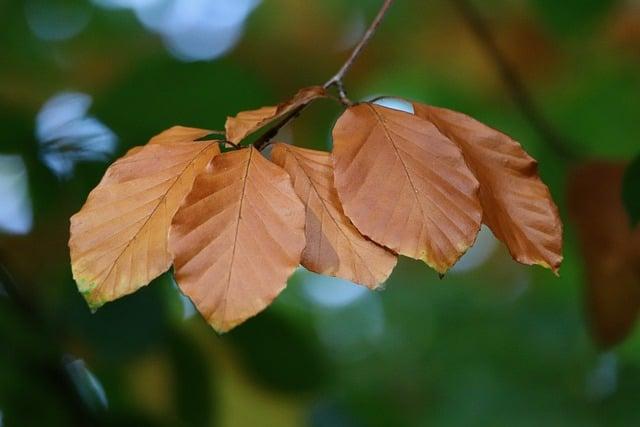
[[235, 238]]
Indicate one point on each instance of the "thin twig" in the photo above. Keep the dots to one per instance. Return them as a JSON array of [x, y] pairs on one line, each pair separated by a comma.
[[335, 80], [342, 93], [264, 141], [516, 87]]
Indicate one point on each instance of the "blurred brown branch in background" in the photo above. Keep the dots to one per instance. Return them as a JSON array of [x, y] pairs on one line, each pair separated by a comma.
[[514, 84]]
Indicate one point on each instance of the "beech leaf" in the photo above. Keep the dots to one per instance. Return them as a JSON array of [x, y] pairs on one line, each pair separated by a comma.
[[118, 239], [404, 185], [237, 238], [611, 249], [517, 206], [334, 246], [247, 122]]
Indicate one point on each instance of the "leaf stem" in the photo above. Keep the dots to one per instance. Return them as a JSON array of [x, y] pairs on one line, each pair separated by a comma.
[[335, 80], [50, 369]]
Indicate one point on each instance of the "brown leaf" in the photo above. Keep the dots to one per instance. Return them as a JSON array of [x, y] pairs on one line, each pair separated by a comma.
[[334, 246], [247, 122], [517, 205], [119, 238], [237, 237], [173, 135], [405, 185], [611, 250]]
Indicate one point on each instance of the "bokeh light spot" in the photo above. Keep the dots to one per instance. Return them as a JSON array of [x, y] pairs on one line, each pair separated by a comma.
[[395, 104], [16, 214], [55, 20], [477, 254], [194, 30], [67, 135], [330, 292], [602, 381]]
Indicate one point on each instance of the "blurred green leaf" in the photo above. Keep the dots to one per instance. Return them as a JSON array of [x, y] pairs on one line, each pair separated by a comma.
[[87, 385], [126, 328], [597, 109], [193, 390], [278, 355], [572, 16]]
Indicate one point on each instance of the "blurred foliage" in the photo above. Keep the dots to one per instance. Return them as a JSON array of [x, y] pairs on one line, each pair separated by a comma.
[[501, 344], [571, 17]]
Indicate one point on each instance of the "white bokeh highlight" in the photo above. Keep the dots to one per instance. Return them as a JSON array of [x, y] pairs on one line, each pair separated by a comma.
[[395, 104], [484, 246], [192, 30], [16, 213], [68, 135], [349, 319]]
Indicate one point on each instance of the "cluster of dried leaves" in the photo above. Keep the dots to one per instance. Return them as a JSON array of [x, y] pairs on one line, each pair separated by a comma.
[[235, 225]]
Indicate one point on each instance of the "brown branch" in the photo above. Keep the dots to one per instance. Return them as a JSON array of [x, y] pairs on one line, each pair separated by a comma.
[[335, 80], [515, 85]]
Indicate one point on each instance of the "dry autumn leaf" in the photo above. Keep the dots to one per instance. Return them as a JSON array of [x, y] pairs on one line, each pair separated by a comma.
[[405, 185], [611, 249], [119, 238], [173, 135], [247, 122], [334, 246], [516, 204], [237, 237]]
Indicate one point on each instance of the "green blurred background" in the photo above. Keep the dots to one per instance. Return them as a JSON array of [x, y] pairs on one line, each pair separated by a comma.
[[494, 343]]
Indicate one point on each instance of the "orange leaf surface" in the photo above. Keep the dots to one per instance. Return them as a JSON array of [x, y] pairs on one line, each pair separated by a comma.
[[517, 205], [611, 250], [119, 238], [334, 246], [173, 135], [237, 237], [247, 122], [405, 185]]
